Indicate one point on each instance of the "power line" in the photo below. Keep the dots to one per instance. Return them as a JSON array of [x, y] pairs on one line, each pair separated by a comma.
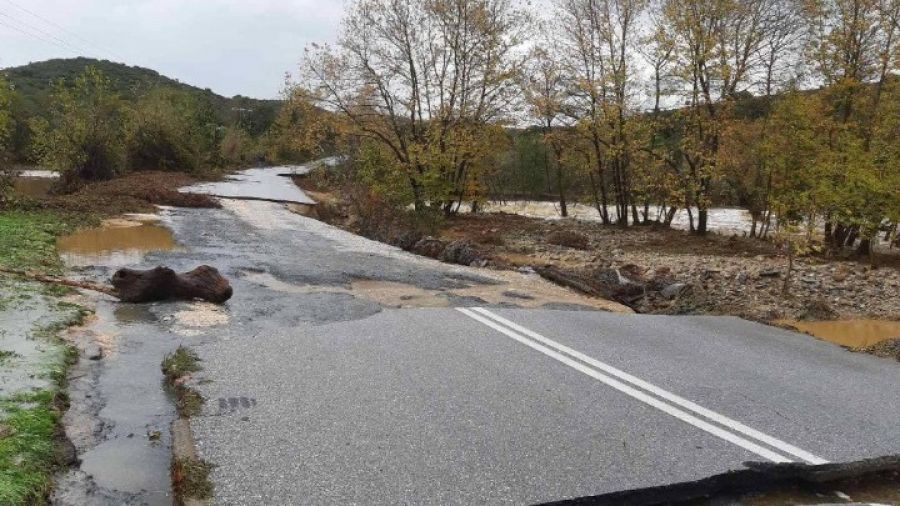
[[38, 37], [43, 32], [61, 28]]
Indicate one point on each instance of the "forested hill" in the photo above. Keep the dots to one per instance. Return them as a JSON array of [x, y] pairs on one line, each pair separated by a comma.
[[33, 83]]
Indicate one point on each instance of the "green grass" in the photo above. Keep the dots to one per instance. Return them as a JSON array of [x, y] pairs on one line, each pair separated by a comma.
[[28, 422], [28, 240], [27, 452], [176, 365], [191, 479], [183, 361]]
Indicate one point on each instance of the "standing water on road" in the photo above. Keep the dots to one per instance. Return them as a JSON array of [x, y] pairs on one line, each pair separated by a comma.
[[852, 333], [115, 243]]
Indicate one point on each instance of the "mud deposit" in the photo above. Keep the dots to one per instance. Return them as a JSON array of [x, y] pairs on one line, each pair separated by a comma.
[[511, 289], [851, 333], [116, 242]]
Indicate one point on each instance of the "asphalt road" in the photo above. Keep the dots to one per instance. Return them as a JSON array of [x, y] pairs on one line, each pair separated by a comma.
[[316, 393]]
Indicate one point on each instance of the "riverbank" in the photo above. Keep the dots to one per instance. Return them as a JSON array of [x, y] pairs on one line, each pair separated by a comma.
[[34, 358]]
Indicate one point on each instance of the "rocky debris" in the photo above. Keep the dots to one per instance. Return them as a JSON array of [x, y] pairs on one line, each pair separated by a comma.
[[429, 247], [621, 285], [674, 290], [162, 283], [680, 273], [712, 275], [460, 252], [889, 348], [569, 239], [818, 309], [457, 252], [407, 240]]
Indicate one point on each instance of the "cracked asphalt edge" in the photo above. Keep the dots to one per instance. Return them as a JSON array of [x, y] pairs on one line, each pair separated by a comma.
[[756, 478]]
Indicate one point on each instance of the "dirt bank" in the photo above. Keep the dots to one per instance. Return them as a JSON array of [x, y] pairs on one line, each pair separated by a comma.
[[653, 270], [130, 193]]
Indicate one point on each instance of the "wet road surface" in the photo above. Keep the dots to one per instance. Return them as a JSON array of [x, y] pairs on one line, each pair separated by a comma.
[[258, 183], [320, 393]]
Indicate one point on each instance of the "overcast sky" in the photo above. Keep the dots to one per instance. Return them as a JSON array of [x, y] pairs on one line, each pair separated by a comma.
[[231, 46]]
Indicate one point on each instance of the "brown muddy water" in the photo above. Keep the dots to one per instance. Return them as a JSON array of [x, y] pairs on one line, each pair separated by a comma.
[[33, 186], [850, 333], [116, 242]]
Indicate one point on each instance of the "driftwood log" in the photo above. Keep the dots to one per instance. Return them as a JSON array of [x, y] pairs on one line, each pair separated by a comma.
[[56, 280], [162, 283]]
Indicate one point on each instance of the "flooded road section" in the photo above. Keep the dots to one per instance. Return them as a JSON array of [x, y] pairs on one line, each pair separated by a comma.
[[850, 333], [120, 411], [120, 414]]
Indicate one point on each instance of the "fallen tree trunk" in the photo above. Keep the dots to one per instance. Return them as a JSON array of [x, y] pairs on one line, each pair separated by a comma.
[[559, 277], [162, 283], [56, 280]]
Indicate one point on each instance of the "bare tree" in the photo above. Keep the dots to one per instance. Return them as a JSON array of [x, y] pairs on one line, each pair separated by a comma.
[[545, 90], [598, 41]]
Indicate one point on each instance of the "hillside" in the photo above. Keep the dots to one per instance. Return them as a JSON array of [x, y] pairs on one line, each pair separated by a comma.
[[34, 81]]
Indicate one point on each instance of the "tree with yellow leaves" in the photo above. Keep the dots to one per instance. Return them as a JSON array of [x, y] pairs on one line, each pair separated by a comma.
[[426, 81]]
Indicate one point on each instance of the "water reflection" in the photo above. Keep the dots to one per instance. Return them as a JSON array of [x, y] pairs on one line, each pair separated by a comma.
[[114, 245]]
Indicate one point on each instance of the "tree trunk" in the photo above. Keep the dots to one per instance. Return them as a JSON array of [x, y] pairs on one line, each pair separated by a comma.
[[786, 286], [702, 218], [163, 283]]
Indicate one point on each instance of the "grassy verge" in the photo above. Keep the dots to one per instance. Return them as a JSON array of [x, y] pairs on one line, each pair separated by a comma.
[[190, 478], [26, 452], [190, 474], [28, 239], [176, 367], [29, 420], [29, 431]]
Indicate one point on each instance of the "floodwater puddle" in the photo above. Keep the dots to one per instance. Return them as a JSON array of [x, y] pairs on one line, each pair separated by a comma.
[[120, 413], [851, 333], [116, 242]]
